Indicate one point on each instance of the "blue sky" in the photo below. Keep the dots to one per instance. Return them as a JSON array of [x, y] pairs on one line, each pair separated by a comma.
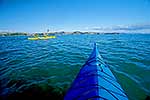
[[73, 15]]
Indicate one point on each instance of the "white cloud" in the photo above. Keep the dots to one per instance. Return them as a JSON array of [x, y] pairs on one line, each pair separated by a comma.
[[137, 28]]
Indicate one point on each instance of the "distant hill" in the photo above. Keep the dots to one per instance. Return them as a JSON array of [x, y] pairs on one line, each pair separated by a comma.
[[50, 33], [12, 34]]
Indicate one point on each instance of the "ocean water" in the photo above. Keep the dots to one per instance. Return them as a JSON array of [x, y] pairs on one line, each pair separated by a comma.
[[46, 68]]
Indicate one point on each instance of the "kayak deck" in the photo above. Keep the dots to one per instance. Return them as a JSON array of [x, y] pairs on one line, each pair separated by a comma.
[[42, 38], [95, 81]]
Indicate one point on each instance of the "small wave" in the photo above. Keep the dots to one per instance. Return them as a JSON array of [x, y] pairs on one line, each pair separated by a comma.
[[36, 65]]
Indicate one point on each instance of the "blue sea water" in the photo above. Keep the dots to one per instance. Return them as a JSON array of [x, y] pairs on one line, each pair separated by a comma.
[[49, 66]]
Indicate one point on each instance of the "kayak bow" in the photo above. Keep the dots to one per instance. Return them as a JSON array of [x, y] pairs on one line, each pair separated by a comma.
[[95, 81]]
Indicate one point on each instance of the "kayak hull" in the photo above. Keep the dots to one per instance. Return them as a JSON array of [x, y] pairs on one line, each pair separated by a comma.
[[42, 38], [95, 81]]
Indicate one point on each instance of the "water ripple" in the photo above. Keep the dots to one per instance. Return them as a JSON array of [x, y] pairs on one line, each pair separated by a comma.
[[56, 62]]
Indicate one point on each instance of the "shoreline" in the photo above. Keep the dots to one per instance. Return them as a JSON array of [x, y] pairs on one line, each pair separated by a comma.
[[59, 33]]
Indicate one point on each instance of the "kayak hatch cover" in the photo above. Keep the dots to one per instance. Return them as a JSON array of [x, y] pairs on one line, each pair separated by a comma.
[[95, 81]]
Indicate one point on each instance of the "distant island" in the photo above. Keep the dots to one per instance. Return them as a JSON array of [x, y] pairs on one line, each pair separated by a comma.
[[49, 33], [13, 33]]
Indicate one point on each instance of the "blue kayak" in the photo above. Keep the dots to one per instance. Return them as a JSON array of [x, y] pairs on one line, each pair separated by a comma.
[[95, 81]]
